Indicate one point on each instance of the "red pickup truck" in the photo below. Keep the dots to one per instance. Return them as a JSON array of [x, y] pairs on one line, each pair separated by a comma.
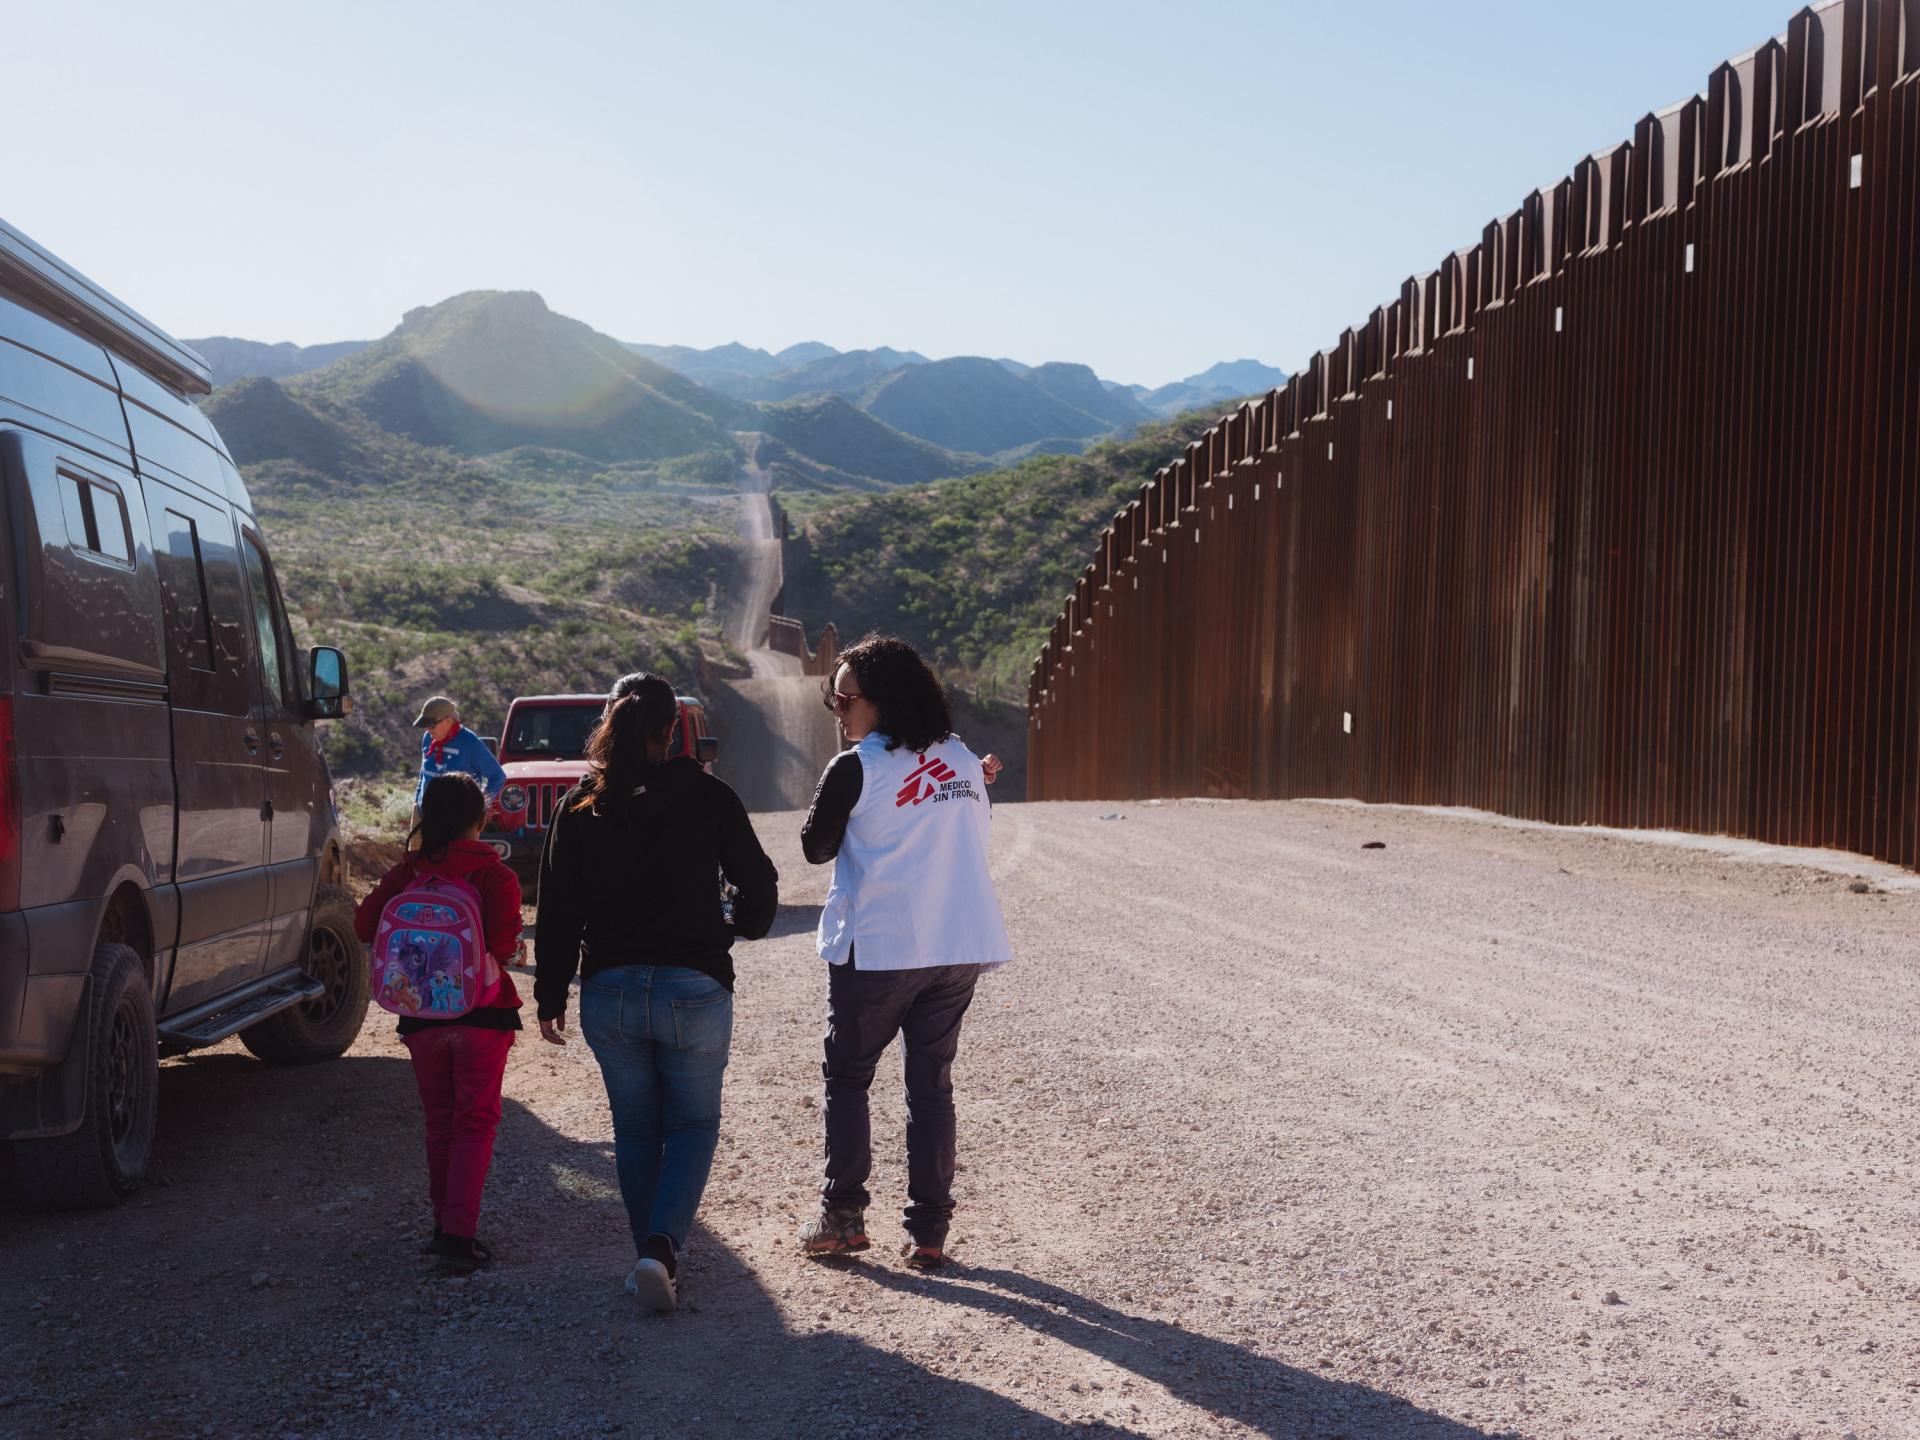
[[543, 749]]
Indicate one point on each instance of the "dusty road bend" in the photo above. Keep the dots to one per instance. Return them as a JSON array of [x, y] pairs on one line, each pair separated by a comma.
[[1484, 1132], [775, 736]]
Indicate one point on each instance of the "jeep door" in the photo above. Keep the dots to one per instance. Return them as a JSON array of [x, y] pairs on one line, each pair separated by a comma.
[[298, 808], [223, 885]]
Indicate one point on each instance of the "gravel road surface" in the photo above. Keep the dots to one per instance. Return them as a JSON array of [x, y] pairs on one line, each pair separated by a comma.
[[1485, 1132]]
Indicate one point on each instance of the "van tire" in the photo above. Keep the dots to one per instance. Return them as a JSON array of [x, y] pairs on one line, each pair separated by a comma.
[[104, 1160], [321, 1029]]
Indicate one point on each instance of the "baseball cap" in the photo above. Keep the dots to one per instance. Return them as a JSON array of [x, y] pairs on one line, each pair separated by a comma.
[[436, 710]]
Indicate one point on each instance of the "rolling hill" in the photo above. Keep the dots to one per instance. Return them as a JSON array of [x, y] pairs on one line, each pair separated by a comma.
[[824, 440], [233, 359], [490, 371], [977, 405], [846, 374], [1217, 384], [1078, 386], [733, 368]]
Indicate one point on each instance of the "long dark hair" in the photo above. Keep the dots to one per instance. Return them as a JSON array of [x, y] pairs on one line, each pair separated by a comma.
[[451, 805], [913, 708], [640, 708]]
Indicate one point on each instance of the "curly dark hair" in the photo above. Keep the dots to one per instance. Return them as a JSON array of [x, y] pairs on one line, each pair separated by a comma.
[[641, 707], [913, 708]]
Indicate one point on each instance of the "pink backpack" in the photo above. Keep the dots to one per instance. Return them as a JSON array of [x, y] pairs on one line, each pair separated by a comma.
[[430, 959]]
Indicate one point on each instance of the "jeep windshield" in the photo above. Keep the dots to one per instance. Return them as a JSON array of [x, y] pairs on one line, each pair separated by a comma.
[[557, 732]]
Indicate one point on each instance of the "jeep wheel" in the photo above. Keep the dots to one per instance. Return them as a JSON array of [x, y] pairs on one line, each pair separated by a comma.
[[321, 1028], [105, 1159]]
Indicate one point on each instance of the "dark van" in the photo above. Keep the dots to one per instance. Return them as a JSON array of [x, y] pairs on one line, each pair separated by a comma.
[[170, 860]]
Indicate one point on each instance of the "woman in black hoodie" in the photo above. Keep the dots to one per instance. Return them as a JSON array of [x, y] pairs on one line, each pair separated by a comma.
[[629, 896]]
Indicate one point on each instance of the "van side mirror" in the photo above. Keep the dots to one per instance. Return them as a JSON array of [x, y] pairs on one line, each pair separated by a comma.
[[706, 748], [492, 742], [327, 685]]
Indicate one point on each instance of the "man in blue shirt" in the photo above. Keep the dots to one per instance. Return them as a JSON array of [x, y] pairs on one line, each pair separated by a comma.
[[446, 746]]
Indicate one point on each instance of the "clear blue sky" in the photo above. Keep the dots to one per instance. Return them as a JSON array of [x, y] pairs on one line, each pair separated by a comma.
[[1145, 188]]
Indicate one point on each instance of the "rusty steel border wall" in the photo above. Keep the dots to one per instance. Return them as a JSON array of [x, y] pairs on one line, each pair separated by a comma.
[[1612, 518]]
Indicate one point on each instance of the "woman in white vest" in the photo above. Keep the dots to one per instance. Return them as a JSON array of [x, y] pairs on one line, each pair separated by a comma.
[[910, 924]]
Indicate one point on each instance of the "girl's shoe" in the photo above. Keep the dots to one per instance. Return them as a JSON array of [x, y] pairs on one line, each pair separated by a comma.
[[652, 1279], [431, 1244], [835, 1232], [462, 1254]]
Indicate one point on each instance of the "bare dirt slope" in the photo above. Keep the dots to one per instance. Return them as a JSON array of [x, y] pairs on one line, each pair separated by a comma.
[[775, 735], [1485, 1132]]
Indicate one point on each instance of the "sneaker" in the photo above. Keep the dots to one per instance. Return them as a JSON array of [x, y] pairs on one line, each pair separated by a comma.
[[462, 1254], [652, 1279], [835, 1232], [431, 1245], [923, 1257]]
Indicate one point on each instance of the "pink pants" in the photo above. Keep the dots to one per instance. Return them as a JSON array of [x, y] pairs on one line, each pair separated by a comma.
[[459, 1069]]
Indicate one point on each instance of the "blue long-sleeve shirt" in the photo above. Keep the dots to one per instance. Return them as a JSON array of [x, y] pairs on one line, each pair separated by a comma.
[[463, 752]]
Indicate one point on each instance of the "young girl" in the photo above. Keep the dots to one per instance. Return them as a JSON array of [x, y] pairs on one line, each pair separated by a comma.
[[459, 1063]]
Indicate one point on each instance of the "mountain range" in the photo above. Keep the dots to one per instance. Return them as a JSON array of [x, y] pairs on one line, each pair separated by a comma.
[[489, 373]]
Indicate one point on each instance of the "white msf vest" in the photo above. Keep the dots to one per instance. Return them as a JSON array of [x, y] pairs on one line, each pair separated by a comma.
[[910, 884]]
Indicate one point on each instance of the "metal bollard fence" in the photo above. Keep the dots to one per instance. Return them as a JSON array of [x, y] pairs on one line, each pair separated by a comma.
[[1613, 517]]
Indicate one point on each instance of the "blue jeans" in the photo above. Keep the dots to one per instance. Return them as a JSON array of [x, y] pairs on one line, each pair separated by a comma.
[[661, 1035]]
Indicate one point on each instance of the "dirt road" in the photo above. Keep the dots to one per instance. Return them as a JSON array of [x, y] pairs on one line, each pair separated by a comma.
[[1264, 1133], [775, 736]]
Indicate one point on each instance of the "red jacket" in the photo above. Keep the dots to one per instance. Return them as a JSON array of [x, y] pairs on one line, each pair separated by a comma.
[[480, 867]]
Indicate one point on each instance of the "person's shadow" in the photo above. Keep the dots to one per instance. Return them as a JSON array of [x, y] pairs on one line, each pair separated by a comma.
[[267, 1280], [1214, 1375]]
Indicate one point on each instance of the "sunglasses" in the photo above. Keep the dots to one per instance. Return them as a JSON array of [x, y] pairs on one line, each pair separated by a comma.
[[839, 700]]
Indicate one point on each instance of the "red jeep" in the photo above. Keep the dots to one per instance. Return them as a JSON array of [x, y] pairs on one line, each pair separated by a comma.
[[543, 748]]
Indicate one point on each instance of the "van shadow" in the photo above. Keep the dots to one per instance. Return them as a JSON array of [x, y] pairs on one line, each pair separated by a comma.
[[270, 1271]]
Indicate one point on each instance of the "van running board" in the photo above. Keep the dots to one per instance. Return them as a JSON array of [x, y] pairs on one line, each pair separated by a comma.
[[229, 1014]]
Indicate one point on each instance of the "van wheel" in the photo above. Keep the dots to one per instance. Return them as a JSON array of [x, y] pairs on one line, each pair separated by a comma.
[[322, 1028], [106, 1158]]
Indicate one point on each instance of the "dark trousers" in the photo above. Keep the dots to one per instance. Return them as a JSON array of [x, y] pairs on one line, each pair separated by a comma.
[[865, 1010]]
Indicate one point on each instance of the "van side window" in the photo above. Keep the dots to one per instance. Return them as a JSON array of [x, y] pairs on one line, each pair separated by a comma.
[[200, 584], [183, 575], [270, 624], [96, 517]]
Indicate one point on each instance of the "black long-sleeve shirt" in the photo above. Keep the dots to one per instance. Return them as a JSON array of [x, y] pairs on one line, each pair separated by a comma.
[[636, 881], [833, 801]]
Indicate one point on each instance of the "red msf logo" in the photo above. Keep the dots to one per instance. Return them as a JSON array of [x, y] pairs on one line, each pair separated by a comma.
[[923, 783]]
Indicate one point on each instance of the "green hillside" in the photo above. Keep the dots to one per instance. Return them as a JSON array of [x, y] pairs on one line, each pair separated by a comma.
[[973, 570], [531, 568], [486, 584]]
